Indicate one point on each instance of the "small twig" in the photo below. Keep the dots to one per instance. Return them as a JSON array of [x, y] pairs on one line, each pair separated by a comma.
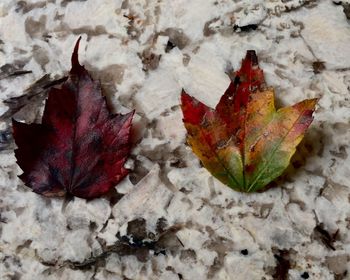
[[19, 73]]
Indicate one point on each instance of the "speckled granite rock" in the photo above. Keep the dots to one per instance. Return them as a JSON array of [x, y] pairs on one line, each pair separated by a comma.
[[170, 219]]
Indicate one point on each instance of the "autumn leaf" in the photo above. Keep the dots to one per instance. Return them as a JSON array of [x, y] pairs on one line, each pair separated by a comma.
[[80, 147], [244, 142]]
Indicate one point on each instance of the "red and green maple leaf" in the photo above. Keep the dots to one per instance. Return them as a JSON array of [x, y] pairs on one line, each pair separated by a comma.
[[245, 142], [80, 147]]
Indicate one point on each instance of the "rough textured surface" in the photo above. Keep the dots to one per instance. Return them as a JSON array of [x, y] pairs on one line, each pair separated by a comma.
[[173, 220]]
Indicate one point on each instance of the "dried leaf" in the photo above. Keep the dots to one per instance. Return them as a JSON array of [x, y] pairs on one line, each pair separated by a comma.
[[33, 96], [244, 141], [80, 148]]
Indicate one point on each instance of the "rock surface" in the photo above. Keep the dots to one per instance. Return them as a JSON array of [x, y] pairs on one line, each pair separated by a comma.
[[170, 219]]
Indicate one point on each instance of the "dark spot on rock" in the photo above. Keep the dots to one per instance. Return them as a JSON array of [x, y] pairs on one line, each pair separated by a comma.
[[245, 28], [184, 190], [26, 244], [341, 153], [337, 264], [20, 6], [169, 46], [149, 59], [5, 138], [137, 229], [138, 241], [170, 268], [305, 275], [2, 220], [341, 276], [187, 255], [111, 74], [282, 265], [25, 7], [125, 4], [114, 197], [134, 28], [309, 4], [168, 239], [8, 69], [178, 163], [92, 226], [176, 36], [151, 235], [175, 108], [16, 276], [297, 164], [346, 10], [207, 30], [221, 246], [244, 252], [318, 66], [89, 31], [65, 2], [186, 59], [162, 224], [324, 236], [35, 28], [138, 172]]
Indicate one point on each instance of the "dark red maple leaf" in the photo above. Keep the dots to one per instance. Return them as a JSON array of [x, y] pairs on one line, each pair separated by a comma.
[[80, 147]]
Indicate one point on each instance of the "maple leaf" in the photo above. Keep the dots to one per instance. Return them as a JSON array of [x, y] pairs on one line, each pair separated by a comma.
[[80, 147], [244, 142]]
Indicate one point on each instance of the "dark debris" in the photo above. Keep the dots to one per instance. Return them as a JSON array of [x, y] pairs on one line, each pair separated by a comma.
[[11, 70], [283, 265], [33, 96], [245, 28], [149, 59], [346, 7], [325, 237], [169, 46], [318, 66], [138, 242], [27, 104], [141, 243], [346, 10], [244, 252]]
